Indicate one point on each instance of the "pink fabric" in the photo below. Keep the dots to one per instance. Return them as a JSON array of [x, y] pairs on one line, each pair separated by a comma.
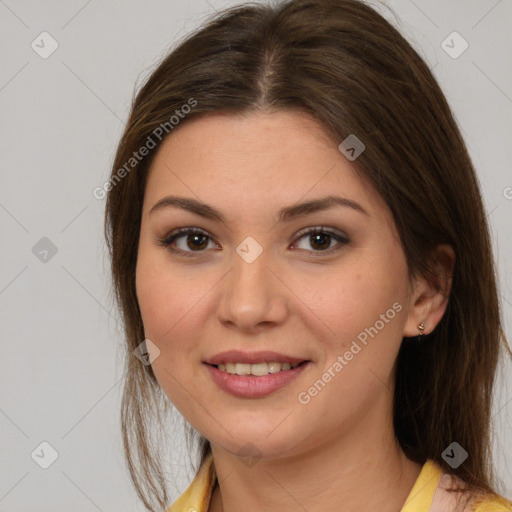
[[445, 501]]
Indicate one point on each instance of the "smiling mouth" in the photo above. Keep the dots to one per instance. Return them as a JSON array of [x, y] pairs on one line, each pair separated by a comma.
[[256, 369]]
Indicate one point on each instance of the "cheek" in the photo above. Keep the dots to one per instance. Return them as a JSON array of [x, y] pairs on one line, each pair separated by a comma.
[[364, 304], [169, 305], [364, 313], [163, 298], [175, 306]]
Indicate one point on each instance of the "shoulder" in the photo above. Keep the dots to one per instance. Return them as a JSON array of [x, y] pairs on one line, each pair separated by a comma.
[[448, 497], [492, 504]]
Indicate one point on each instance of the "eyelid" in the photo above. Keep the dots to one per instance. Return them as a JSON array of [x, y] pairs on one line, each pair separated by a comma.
[[186, 230], [323, 229]]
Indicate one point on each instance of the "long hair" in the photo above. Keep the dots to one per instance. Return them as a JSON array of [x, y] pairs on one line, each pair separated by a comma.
[[346, 66]]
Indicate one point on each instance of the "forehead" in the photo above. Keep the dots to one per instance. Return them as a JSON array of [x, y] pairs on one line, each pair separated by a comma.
[[254, 159]]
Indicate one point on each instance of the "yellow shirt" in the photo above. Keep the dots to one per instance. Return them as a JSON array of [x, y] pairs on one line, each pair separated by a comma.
[[425, 496]]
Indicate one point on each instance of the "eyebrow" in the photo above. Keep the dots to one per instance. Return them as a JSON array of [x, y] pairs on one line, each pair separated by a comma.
[[285, 214]]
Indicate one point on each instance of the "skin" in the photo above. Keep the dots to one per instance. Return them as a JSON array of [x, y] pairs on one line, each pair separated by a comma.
[[337, 452]]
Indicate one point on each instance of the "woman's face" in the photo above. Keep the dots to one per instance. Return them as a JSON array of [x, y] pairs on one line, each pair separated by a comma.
[[257, 281]]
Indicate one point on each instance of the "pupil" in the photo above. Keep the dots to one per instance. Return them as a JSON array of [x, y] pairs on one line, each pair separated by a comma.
[[195, 237], [320, 236]]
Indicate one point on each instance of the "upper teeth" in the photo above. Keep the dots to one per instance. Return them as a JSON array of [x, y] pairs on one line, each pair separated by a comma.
[[258, 369]]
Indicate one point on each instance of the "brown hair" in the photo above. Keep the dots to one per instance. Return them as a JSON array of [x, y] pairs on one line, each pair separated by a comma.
[[346, 66]]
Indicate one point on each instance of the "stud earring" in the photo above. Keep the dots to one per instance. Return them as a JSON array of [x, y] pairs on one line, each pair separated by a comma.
[[421, 328]]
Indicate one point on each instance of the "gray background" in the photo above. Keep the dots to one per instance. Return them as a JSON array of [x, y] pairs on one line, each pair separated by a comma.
[[61, 119]]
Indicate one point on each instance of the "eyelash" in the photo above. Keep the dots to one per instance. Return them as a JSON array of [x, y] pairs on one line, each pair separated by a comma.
[[171, 237]]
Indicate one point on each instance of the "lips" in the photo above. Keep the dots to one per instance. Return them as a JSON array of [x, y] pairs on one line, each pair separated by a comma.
[[237, 356], [251, 386]]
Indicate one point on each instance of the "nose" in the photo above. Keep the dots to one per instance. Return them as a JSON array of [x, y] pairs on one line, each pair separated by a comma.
[[253, 295]]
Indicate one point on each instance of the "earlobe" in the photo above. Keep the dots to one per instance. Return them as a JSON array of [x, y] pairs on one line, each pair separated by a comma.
[[430, 297]]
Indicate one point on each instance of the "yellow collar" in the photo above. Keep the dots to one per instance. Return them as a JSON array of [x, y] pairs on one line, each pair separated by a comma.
[[422, 498]]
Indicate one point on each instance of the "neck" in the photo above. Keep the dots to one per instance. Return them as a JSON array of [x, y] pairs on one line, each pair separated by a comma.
[[362, 469]]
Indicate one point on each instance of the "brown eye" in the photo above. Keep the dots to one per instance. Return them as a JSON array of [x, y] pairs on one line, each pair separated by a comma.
[[196, 241], [190, 240], [319, 239]]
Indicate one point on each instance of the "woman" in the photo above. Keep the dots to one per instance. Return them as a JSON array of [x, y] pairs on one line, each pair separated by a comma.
[[305, 270]]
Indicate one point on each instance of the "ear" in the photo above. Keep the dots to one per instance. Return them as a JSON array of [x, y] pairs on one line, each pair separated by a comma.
[[429, 299]]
